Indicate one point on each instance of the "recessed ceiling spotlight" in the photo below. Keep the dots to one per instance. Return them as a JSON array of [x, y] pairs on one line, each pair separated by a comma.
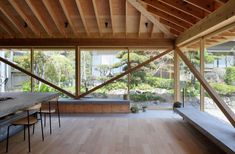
[[146, 24], [106, 24], [66, 24], [25, 25]]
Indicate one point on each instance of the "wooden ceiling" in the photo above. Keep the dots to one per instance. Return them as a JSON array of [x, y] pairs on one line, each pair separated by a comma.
[[101, 18]]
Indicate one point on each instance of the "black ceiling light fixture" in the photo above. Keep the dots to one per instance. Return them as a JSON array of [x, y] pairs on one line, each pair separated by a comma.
[[146, 24], [106, 24], [25, 25], [66, 24]]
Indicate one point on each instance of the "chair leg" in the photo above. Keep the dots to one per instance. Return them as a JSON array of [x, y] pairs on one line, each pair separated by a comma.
[[58, 112], [44, 120], [41, 124], [24, 132], [8, 132], [50, 117], [28, 131], [33, 128]]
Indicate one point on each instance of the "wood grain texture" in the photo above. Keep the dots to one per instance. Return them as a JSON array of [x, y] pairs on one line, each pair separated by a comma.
[[116, 134]]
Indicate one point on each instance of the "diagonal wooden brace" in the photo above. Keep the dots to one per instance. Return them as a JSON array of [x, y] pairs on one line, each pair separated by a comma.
[[36, 77], [213, 94], [126, 72]]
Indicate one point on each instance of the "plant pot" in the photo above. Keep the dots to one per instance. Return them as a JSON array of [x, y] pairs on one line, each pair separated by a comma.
[[144, 109]]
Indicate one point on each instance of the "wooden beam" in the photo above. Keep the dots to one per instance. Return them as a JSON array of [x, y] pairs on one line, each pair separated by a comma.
[[126, 18], [168, 17], [172, 11], [174, 32], [4, 26], [25, 17], [97, 17], [111, 15], [206, 5], [172, 25], [202, 66], [67, 14], [185, 7], [140, 24], [216, 98], [150, 17], [152, 31], [35, 76], [54, 17], [221, 17], [13, 20], [39, 17], [222, 1], [82, 16], [89, 42], [126, 72]]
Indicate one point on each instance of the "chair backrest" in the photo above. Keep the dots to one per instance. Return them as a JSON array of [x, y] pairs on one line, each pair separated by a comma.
[[35, 107], [54, 99]]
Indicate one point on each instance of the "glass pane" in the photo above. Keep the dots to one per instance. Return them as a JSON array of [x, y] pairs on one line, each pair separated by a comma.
[[56, 66], [190, 86], [220, 73], [152, 84], [98, 66], [13, 80]]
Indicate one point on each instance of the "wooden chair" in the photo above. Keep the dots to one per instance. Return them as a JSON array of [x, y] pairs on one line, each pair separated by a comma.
[[27, 121], [48, 110]]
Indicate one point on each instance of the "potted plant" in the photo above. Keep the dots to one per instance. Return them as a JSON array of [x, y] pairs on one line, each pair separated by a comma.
[[144, 108], [134, 109]]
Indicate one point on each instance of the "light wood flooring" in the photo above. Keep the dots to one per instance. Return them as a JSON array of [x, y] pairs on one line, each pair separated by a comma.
[[154, 132]]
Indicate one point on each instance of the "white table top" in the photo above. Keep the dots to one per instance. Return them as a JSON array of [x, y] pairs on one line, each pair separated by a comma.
[[22, 100]]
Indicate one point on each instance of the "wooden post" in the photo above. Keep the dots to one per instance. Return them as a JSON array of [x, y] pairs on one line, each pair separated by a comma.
[[202, 66], [31, 68], [176, 77], [213, 94], [129, 74], [78, 71]]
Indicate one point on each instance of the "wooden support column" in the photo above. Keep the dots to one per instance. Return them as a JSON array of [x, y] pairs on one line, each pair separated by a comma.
[[31, 68], [212, 93], [78, 70], [129, 74], [176, 77], [202, 66]]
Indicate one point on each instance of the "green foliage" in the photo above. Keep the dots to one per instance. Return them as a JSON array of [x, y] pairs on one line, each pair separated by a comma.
[[134, 109], [160, 82], [116, 86], [147, 96], [223, 89], [143, 86], [192, 89], [230, 75], [23, 61]]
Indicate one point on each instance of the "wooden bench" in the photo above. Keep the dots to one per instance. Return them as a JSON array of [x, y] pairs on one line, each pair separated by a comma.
[[93, 105], [218, 131]]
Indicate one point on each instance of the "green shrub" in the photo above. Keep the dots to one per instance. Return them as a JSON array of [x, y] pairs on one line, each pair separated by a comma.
[[143, 86], [134, 109], [223, 89], [160, 82], [230, 75], [146, 97]]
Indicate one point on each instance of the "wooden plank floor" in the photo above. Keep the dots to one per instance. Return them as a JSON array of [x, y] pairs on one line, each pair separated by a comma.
[[117, 134]]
